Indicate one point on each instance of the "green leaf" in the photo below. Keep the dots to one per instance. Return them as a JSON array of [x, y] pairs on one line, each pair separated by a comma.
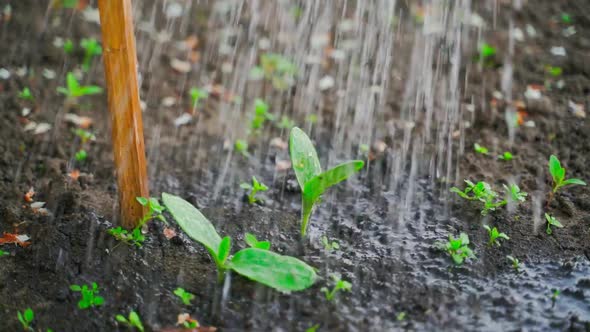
[[121, 318], [72, 82], [193, 222], [142, 200], [304, 157], [29, 315], [250, 240], [573, 181], [224, 248], [317, 185], [557, 172], [88, 90], [63, 90], [75, 288], [459, 192], [283, 273], [98, 301], [136, 321]]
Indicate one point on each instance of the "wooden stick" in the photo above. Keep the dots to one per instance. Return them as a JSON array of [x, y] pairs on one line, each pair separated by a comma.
[[120, 61]]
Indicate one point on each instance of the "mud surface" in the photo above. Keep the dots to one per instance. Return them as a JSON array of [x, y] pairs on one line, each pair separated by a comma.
[[386, 223]]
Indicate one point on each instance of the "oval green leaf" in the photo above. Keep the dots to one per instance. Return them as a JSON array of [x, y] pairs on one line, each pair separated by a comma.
[[193, 222], [283, 273], [317, 185], [304, 158]]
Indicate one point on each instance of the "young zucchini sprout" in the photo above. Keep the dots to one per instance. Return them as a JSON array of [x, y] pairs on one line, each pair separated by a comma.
[[132, 321], [312, 180], [551, 221], [495, 236], [283, 273], [558, 175]]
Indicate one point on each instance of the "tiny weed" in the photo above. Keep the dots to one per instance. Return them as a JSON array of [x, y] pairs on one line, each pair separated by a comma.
[[566, 18], [480, 149], [558, 174], [91, 48], [279, 70], [551, 221], [253, 242], [261, 114], [457, 248], [135, 237], [495, 236], [286, 123], [506, 156], [555, 295], [339, 285], [283, 273], [26, 318], [329, 246], [3, 253], [312, 118], [133, 321], [254, 188], [155, 210], [515, 262], [26, 94], [483, 192], [184, 296], [515, 193], [75, 90], [401, 316], [241, 146], [487, 51], [68, 46], [553, 71], [196, 95], [311, 179], [90, 297], [81, 155], [84, 135]]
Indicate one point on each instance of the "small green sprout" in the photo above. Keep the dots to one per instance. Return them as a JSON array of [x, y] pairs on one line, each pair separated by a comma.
[[155, 210], [135, 237], [81, 155], [339, 285], [495, 236], [241, 146], [279, 70], [26, 94], [313, 328], [3, 253], [553, 71], [133, 321], [68, 46], [401, 316], [551, 221], [254, 188], [91, 48], [26, 318], [311, 179], [253, 242], [286, 123], [90, 297], [506, 156], [196, 95], [558, 174], [457, 248], [566, 18], [555, 295], [480, 149], [329, 246], [312, 118], [483, 192], [515, 262], [184, 296], [261, 114], [487, 51], [84, 135], [75, 90], [283, 273]]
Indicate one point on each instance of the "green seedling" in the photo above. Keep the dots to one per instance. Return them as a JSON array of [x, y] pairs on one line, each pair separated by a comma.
[[135, 237], [480, 149], [74, 90], [278, 69], [261, 114], [84, 135], [311, 179], [286, 123], [26, 94], [551, 221], [329, 246], [553, 71], [313, 328], [196, 95], [483, 192], [133, 321], [495, 236], [487, 51], [241, 146], [283, 273], [68, 46], [90, 297], [3, 253], [81, 155], [457, 248], [515, 262], [566, 18], [254, 189], [558, 174], [401, 316], [91, 48], [506, 156], [253, 242], [184, 296], [555, 295], [26, 318], [339, 285], [312, 118]]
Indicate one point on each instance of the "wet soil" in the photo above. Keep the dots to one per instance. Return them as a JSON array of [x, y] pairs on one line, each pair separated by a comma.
[[386, 229]]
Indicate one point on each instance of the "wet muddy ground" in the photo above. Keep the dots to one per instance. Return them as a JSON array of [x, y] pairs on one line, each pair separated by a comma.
[[386, 219]]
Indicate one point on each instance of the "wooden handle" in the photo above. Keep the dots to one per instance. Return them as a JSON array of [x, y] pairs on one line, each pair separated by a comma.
[[120, 62]]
